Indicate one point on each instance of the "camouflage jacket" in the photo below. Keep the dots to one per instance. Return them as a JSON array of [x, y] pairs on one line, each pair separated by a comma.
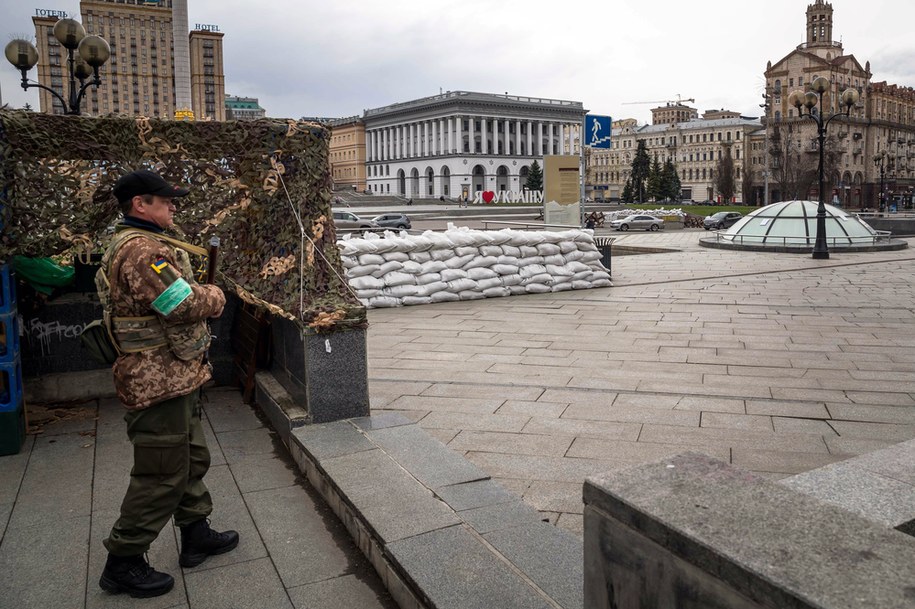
[[144, 378]]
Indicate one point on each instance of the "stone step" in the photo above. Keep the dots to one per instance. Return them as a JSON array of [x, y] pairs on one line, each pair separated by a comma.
[[438, 530]]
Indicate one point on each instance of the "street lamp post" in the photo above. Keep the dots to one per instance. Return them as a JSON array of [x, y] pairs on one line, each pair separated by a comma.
[[880, 161], [809, 100], [85, 55]]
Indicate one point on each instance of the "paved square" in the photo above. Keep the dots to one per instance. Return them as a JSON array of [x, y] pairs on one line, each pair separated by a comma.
[[777, 363]]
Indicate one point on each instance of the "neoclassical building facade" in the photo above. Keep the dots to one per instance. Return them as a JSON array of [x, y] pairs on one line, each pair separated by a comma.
[[459, 143], [881, 125], [695, 145]]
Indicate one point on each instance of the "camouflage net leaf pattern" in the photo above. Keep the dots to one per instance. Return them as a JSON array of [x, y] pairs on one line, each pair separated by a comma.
[[252, 184]]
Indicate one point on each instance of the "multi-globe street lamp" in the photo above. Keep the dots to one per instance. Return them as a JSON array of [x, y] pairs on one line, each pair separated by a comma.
[[809, 100], [880, 161], [85, 55]]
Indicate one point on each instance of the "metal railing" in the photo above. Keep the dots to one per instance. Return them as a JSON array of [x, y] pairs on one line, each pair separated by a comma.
[[776, 241], [486, 224]]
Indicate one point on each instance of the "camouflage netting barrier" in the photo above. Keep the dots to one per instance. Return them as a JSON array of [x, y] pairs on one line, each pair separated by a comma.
[[251, 184]]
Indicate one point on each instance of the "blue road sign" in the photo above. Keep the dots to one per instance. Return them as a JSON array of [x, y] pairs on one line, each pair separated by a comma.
[[597, 131]]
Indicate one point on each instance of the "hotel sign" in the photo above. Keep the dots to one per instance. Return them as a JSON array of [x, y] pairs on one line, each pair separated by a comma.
[[203, 27], [44, 12]]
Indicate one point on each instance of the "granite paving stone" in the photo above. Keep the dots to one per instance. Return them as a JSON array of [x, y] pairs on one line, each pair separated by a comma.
[[532, 409], [328, 440], [379, 488], [347, 592], [868, 494], [643, 450], [470, 495], [499, 516], [560, 496], [457, 572], [463, 420], [515, 443], [53, 576], [903, 415], [737, 421], [896, 462], [632, 414], [717, 437], [424, 457], [482, 405], [808, 410], [783, 462], [585, 428], [877, 431], [287, 524], [250, 584], [551, 557]]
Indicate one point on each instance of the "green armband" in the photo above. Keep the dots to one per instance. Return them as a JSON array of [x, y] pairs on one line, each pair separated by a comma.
[[173, 296]]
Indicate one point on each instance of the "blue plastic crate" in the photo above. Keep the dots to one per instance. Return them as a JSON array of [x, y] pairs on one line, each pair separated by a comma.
[[9, 336], [12, 429], [7, 288], [10, 385]]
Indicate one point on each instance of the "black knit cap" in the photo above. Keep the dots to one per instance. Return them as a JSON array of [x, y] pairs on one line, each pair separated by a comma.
[[145, 182]]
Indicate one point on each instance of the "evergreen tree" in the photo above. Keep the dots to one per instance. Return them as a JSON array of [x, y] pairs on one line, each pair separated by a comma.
[[627, 192], [724, 176], [534, 178], [670, 181], [655, 186], [641, 166]]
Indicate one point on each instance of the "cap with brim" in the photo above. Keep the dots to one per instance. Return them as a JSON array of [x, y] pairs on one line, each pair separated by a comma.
[[145, 182]]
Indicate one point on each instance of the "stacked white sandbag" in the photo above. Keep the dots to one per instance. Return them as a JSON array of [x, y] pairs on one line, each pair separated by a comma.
[[392, 269]]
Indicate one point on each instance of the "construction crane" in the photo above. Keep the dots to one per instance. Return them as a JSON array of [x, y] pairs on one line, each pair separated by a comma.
[[677, 101]]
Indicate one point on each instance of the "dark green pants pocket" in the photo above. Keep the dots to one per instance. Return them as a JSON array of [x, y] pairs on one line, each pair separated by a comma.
[[159, 454]]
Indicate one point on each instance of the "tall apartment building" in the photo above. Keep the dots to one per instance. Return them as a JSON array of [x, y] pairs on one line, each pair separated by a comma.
[[208, 81], [881, 125], [139, 79]]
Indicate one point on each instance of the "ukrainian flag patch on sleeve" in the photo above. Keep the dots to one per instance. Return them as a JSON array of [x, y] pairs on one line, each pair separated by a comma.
[[159, 265]]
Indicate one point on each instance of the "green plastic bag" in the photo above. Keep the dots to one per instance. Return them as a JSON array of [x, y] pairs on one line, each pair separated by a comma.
[[43, 274]]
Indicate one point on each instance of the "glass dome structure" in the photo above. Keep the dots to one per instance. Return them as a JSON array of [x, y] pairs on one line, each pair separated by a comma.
[[791, 226]]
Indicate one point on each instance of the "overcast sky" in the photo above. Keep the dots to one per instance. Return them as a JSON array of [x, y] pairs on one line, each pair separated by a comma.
[[340, 58]]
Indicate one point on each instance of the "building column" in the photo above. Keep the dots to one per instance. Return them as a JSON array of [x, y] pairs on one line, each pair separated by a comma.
[[411, 142], [529, 147], [472, 122], [384, 145], [562, 138], [484, 142], [517, 137], [506, 137], [434, 137], [539, 142], [459, 133], [450, 138], [551, 145]]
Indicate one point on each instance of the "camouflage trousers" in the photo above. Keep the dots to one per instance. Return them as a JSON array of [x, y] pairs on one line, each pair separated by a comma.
[[170, 458]]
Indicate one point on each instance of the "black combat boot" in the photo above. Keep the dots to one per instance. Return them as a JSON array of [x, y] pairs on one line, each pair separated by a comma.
[[198, 541], [132, 574]]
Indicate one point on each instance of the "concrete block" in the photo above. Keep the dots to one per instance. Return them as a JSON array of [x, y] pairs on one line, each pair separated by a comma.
[[767, 545]]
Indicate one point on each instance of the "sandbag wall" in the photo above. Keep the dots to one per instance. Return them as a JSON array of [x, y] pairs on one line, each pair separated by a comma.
[[392, 270]]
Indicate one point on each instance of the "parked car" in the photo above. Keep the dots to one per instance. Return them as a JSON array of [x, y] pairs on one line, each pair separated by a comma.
[[638, 221], [393, 220], [707, 202], [723, 219], [347, 219]]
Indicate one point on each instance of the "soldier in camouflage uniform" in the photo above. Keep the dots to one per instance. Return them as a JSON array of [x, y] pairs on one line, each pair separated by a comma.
[[156, 315]]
